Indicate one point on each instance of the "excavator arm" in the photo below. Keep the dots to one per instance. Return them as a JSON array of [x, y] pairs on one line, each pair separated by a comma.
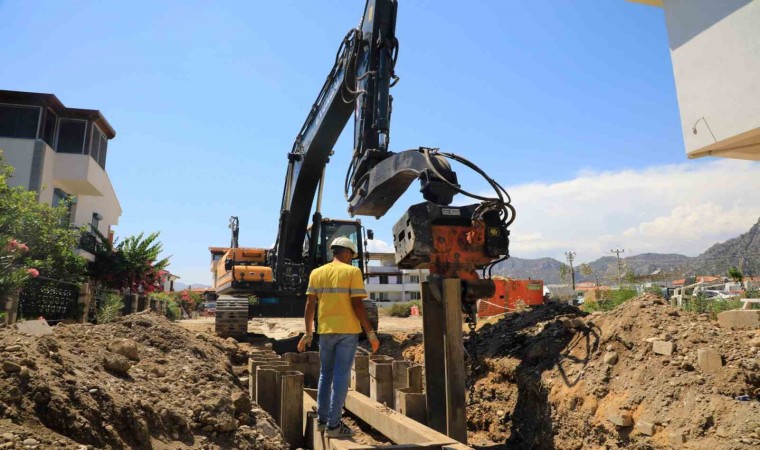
[[358, 83]]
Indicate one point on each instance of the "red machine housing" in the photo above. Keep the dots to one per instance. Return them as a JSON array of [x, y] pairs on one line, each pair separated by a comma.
[[510, 294]]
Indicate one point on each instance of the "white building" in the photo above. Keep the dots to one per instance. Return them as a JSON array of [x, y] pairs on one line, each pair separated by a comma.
[[715, 50], [388, 283], [60, 153]]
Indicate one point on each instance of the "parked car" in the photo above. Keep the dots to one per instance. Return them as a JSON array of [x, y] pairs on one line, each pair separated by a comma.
[[717, 295], [208, 309]]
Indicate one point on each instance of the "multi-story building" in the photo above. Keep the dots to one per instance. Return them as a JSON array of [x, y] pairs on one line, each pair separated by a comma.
[[60, 153], [715, 50], [388, 283]]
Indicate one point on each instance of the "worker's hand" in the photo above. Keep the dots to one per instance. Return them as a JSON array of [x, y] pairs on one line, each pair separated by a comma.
[[305, 341], [373, 342]]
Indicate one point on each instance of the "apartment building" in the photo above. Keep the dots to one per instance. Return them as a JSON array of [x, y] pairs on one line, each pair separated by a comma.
[[715, 51], [388, 283], [60, 153]]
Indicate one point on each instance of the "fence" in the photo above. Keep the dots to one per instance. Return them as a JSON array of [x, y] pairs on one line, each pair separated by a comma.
[[54, 300], [98, 299], [57, 301]]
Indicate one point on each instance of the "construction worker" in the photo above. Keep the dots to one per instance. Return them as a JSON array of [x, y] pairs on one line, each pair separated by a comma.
[[335, 292]]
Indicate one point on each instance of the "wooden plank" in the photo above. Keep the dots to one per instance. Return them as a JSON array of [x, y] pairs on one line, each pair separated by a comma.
[[396, 427], [435, 386], [290, 384], [456, 413], [342, 444]]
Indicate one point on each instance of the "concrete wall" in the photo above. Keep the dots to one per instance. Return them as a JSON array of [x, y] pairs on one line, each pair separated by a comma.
[[715, 49], [19, 154]]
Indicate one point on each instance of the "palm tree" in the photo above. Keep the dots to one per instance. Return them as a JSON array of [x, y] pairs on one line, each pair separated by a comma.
[[132, 264]]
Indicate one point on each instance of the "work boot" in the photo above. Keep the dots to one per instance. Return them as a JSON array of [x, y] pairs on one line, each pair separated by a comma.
[[340, 431]]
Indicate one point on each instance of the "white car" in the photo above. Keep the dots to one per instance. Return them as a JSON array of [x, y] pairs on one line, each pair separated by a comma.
[[717, 295]]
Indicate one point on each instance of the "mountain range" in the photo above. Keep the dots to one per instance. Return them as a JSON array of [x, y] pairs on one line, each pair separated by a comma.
[[742, 251]]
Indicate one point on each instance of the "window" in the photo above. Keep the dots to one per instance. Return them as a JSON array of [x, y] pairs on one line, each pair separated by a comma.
[[96, 218], [371, 295], [62, 198], [98, 146], [382, 296], [71, 136], [414, 279], [19, 121], [383, 279], [48, 134], [399, 279], [414, 296]]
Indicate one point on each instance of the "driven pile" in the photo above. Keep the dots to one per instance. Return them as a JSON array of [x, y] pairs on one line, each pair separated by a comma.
[[644, 375], [141, 382]]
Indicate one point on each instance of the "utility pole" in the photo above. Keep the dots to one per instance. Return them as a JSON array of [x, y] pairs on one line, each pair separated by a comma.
[[570, 256], [618, 252]]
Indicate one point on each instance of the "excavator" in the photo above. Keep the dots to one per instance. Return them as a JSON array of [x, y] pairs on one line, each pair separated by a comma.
[[454, 242]]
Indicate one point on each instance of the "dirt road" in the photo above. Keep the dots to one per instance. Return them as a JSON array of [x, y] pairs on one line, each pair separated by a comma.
[[284, 327]]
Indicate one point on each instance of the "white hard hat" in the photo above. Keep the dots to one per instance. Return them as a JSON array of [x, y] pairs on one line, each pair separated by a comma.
[[345, 243]]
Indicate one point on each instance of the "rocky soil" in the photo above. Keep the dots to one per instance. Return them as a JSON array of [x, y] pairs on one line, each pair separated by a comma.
[[141, 382], [642, 376]]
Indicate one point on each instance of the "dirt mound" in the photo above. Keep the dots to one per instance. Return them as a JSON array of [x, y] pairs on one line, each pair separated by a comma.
[[555, 377], [141, 382]]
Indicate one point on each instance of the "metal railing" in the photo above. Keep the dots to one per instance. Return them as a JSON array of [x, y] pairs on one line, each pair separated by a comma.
[[88, 242]]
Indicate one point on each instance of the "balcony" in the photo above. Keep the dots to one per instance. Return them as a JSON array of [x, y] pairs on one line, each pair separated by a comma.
[[87, 246], [80, 175]]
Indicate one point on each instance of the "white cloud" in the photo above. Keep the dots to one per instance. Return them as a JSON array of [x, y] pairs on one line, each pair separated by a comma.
[[379, 246], [681, 208]]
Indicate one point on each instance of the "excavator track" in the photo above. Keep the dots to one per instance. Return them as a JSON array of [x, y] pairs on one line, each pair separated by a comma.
[[231, 316]]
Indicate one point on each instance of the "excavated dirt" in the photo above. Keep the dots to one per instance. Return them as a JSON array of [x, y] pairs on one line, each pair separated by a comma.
[[555, 377], [141, 382]]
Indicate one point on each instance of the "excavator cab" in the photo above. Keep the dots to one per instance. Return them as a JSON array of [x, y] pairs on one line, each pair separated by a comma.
[[330, 230]]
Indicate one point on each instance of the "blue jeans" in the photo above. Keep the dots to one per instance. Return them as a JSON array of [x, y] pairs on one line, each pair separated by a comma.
[[336, 356]]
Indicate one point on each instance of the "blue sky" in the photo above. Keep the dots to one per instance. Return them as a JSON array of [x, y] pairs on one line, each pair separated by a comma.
[[207, 97]]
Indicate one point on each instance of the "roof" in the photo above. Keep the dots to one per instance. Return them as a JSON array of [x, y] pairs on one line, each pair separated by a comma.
[[218, 249], [699, 279], [52, 102]]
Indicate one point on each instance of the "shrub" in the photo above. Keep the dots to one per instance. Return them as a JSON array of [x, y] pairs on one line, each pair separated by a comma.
[[404, 309], [656, 290], [610, 300], [401, 310], [173, 311], [702, 305], [44, 230], [110, 309]]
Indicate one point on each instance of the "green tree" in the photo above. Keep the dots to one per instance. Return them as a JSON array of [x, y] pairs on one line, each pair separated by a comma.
[[586, 270], [130, 264], [735, 274], [564, 272], [43, 228]]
